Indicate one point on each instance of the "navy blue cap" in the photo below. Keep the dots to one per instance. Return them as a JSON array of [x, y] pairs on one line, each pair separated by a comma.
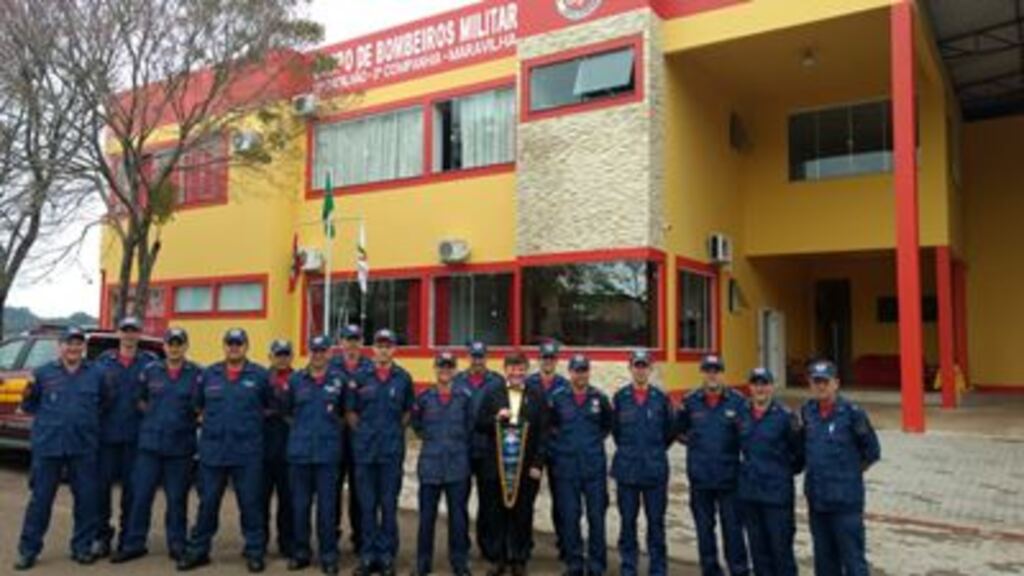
[[445, 358], [352, 332], [280, 347], [236, 336], [478, 349], [176, 334], [549, 350], [712, 362], [72, 333], [821, 370], [638, 357], [579, 363], [762, 375], [384, 335], [129, 323], [319, 343]]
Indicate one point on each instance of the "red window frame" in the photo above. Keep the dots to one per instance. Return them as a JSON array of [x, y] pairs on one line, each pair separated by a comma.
[[636, 42], [441, 304], [426, 103], [215, 283], [708, 271]]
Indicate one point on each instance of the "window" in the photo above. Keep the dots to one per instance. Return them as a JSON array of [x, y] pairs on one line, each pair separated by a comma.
[[840, 141], [605, 304], [376, 148], [696, 311], [202, 173], [474, 131], [584, 79], [473, 307], [10, 352], [43, 351], [887, 309], [393, 304], [155, 320], [191, 299], [240, 297]]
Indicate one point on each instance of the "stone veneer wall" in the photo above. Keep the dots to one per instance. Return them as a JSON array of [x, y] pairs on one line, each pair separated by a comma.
[[593, 180]]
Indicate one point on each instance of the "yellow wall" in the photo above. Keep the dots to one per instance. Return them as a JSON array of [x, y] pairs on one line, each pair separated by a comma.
[[994, 236]]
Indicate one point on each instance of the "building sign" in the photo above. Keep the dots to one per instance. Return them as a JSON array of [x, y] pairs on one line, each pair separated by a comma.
[[577, 9], [465, 36]]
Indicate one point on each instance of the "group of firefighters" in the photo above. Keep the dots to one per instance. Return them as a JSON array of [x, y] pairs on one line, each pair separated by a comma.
[[296, 437]]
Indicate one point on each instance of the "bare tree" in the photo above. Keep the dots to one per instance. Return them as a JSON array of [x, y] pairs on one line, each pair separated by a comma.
[[38, 194], [166, 83]]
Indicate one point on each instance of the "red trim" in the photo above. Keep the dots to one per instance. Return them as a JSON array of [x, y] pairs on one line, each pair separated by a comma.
[[635, 41], [104, 304], [669, 9], [960, 316], [1015, 389], [947, 318], [907, 247], [544, 17], [426, 103], [711, 272], [442, 312], [216, 283]]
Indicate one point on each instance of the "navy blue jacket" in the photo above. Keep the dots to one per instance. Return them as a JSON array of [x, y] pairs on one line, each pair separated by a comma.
[[169, 409], [839, 448], [276, 427], [233, 414], [363, 366], [120, 419], [579, 432], [491, 378], [771, 454], [712, 439], [316, 411], [65, 408], [447, 432], [381, 406], [535, 381], [643, 434]]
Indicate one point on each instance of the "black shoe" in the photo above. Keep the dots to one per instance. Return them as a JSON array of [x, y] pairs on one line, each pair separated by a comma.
[[84, 558], [518, 570], [192, 561], [175, 555], [497, 570], [298, 564], [24, 563], [122, 556], [255, 565], [387, 569], [330, 569], [362, 570], [101, 549]]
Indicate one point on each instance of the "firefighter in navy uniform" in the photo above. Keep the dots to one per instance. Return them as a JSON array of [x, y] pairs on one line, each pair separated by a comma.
[[443, 418], [234, 397], [167, 445], [352, 365], [644, 429], [477, 379], [581, 420], [119, 429], [771, 454], [377, 410], [709, 426], [547, 380], [64, 399], [840, 446], [275, 440], [314, 403]]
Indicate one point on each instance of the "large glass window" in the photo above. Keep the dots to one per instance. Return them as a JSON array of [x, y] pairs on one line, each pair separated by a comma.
[[240, 297], [473, 307], [696, 311], [582, 79], [474, 131], [840, 141], [605, 304], [393, 304], [374, 148], [193, 299]]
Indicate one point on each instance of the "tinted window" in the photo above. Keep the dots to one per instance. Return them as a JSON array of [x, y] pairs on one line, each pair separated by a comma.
[[583, 79]]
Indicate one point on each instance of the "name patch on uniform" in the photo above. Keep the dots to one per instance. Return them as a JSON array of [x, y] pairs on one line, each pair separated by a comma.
[[248, 383]]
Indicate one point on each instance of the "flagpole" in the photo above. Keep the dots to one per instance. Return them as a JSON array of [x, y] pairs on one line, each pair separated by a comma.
[[361, 271]]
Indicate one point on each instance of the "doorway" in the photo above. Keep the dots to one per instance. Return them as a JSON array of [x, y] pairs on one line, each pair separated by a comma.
[[772, 343], [833, 323]]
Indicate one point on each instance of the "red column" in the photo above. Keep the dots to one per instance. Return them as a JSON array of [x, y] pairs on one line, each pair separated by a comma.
[[907, 250], [947, 320], [960, 315]]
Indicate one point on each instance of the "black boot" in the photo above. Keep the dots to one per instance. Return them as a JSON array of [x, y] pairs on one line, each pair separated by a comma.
[[298, 564], [122, 556], [255, 565], [24, 563], [192, 561]]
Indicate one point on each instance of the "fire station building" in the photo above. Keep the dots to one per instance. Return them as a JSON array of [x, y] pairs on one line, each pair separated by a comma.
[[771, 180]]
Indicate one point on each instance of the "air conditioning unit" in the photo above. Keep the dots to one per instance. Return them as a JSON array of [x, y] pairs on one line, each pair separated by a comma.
[[304, 105], [246, 141], [453, 251], [720, 249], [312, 259]]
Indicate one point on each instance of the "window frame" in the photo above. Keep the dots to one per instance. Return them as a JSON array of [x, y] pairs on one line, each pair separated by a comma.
[[710, 272], [216, 284], [478, 270], [635, 42], [849, 106], [418, 329], [437, 100]]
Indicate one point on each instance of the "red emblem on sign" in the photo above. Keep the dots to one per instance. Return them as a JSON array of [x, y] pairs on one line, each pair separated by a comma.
[[577, 9]]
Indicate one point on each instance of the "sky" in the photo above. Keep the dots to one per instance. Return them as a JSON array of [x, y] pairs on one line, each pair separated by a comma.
[[75, 287]]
